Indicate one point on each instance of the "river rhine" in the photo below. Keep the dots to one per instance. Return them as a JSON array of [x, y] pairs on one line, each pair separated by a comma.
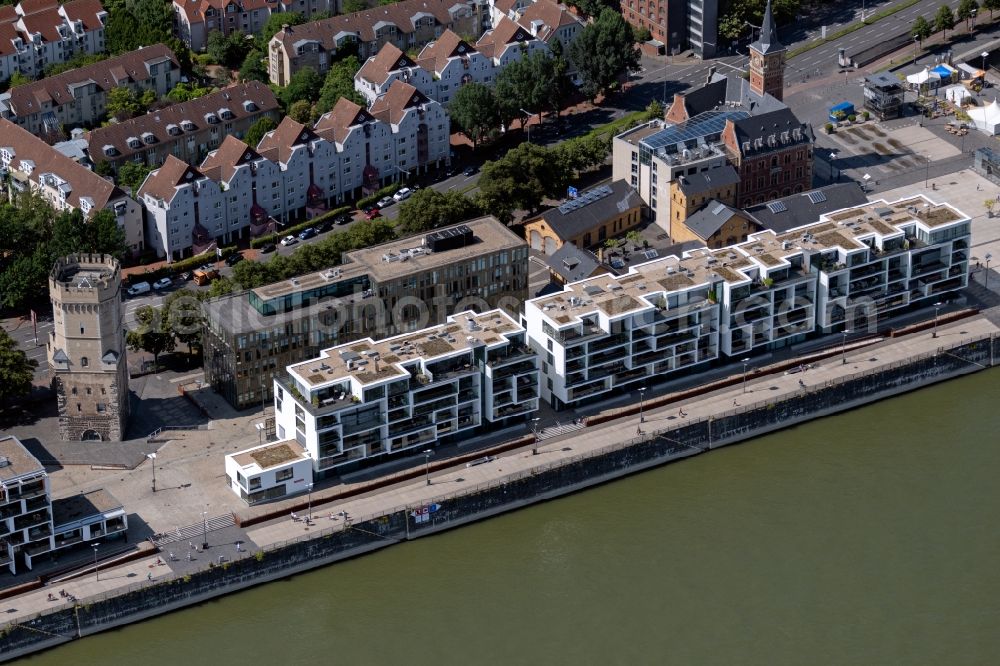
[[865, 538]]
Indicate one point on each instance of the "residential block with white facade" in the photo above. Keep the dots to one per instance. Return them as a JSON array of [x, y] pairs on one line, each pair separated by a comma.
[[38, 33], [369, 400]]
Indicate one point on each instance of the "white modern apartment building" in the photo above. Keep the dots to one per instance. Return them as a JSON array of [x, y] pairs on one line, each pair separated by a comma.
[[269, 471], [367, 399], [844, 272], [37, 33], [32, 524], [294, 167]]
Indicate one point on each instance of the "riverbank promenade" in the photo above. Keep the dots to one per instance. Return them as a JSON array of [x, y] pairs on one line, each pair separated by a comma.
[[420, 491]]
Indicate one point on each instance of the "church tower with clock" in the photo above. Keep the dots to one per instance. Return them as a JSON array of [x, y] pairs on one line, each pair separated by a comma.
[[767, 60]]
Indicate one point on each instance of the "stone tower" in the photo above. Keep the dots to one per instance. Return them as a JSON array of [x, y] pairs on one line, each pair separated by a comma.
[[86, 348], [767, 60]]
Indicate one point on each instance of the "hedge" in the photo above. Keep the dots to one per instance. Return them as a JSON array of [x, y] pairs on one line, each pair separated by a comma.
[[179, 266], [386, 191], [301, 226]]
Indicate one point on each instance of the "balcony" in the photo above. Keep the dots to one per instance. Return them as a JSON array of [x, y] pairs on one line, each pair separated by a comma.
[[607, 357], [516, 369], [924, 268], [340, 459], [434, 393], [584, 391], [513, 355], [608, 343], [513, 410]]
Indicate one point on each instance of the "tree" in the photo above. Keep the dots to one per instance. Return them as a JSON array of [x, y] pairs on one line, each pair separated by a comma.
[[301, 111], [520, 180], [184, 317], [224, 285], [642, 34], [153, 335], [474, 111], [304, 84], [991, 5], [123, 103], [257, 131], [102, 234], [16, 370], [132, 175], [429, 209], [134, 23], [274, 24], [523, 85], [966, 10], [18, 79], [254, 67], [733, 21], [592, 7], [339, 83], [228, 50], [185, 92], [944, 20], [561, 87], [922, 29], [603, 52], [352, 6]]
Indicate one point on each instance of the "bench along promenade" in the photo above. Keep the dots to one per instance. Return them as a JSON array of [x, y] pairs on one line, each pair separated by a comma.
[[667, 429]]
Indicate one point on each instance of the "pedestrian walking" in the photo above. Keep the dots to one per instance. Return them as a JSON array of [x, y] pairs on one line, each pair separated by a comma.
[[149, 576]]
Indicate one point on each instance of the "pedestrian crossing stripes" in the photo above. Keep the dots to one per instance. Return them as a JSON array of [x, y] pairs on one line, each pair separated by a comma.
[[556, 430], [193, 532]]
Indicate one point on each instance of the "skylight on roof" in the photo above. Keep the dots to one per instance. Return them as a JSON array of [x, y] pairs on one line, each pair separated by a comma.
[[718, 209], [777, 207], [816, 196]]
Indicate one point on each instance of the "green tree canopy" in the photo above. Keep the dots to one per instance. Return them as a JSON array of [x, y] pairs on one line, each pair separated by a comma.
[[429, 209], [132, 175], [301, 111], [185, 92], [474, 111], [254, 67], [735, 14], [991, 5], [520, 180], [122, 103], [922, 29], [603, 52], [135, 23], [305, 84], [339, 83], [274, 23], [228, 50], [944, 20], [967, 9], [257, 131], [524, 85], [16, 370]]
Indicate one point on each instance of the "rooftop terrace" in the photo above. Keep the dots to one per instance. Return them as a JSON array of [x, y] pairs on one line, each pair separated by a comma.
[[368, 361], [271, 455], [16, 460]]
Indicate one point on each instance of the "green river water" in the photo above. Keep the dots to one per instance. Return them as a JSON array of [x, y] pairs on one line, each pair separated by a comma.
[[865, 538]]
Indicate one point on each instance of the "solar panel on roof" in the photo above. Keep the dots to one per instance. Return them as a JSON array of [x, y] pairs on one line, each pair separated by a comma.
[[704, 124], [718, 209], [777, 207], [816, 196]]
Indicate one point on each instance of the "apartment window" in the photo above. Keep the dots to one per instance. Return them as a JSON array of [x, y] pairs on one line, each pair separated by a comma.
[[84, 362], [283, 475], [81, 330]]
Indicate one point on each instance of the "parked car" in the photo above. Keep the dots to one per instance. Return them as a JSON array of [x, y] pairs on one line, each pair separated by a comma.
[[403, 194], [306, 234], [469, 171], [289, 240], [385, 201], [373, 213], [234, 259], [185, 276], [139, 288], [369, 208], [342, 219], [324, 227], [267, 247], [162, 283]]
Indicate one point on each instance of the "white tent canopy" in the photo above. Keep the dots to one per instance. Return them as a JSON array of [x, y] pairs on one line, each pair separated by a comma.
[[956, 94], [924, 77], [986, 118]]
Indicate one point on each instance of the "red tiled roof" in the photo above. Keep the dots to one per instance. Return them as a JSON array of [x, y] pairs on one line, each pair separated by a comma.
[[87, 11], [494, 42], [45, 23], [27, 99], [162, 182], [552, 14], [335, 125], [392, 106], [26, 7], [83, 182], [157, 122], [8, 33], [389, 58], [231, 154], [434, 56], [282, 139]]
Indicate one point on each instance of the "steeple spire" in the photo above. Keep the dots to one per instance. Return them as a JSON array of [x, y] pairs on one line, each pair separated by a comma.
[[768, 40]]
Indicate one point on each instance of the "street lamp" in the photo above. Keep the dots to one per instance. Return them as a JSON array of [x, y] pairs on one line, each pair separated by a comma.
[[927, 169], [204, 534], [260, 433], [534, 441], [96, 570], [152, 466], [843, 347], [427, 465], [745, 361], [527, 123], [642, 397], [986, 276], [833, 156], [937, 308], [867, 177], [973, 12], [985, 55], [309, 513]]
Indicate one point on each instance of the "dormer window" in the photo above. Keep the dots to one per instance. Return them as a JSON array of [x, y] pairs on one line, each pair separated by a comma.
[[225, 114], [110, 150], [173, 130], [148, 138], [249, 106], [133, 142], [187, 125], [211, 119]]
